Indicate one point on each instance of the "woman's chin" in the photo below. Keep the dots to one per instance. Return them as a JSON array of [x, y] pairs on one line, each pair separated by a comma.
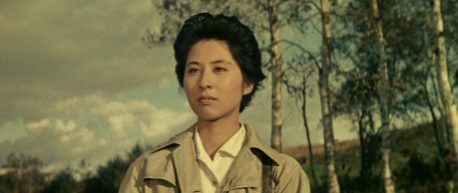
[[208, 118]]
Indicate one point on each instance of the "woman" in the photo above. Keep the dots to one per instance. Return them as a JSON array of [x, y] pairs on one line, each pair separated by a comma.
[[219, 67]]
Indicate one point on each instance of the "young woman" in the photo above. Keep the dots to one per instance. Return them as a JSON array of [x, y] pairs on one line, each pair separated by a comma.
[[219, 67]]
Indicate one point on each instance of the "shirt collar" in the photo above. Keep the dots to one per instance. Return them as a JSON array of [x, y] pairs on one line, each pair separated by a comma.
[[231, 146], [200, 150], [235, 143], [253, 141]]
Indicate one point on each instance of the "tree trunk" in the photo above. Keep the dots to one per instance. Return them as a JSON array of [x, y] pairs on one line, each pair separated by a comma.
[[275, 55], [333, 183], [383, 98], [434, 118], [371, 143], [445, 130], [307, 130], [444, 84], [362, 141]]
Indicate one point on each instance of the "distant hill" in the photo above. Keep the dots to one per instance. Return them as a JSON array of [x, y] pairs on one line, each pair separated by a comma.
[[401, 138], [415, 163]]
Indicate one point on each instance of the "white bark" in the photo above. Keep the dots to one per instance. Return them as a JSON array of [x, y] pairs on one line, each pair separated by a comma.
[[276, 58], [333, 182], [383, 97], [445, 132], [448, 100]]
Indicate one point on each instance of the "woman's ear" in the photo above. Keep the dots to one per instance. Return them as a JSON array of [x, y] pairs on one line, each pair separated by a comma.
[[247, 88]]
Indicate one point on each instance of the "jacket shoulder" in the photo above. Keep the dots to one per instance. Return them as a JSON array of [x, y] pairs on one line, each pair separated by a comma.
[[158, 158], [149, 166], [176, 140], [286, 160], [289, 175]]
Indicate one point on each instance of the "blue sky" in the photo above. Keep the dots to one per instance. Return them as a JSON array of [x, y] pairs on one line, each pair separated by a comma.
[[78, 83]]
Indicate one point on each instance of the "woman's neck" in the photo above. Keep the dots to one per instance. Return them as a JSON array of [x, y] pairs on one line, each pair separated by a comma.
[[215, 133]]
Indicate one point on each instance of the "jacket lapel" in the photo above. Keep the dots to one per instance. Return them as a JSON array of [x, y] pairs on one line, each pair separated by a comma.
[[246, 170], [175, 160], [244, 173], [186, 166]]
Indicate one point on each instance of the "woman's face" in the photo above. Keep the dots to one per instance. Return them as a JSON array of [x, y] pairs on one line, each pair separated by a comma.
[[213, 81]]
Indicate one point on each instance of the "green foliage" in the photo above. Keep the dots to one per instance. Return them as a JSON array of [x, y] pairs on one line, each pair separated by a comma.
[[109, 177], [6, 184], [422, 173], [350, 180], [416, 164], [23, 174], [63, 182]]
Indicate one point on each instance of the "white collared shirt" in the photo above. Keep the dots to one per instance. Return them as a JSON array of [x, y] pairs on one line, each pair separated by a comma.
[[212, 172]]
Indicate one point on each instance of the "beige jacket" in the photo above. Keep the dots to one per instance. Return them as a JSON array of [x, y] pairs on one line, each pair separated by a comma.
[[172, 167]]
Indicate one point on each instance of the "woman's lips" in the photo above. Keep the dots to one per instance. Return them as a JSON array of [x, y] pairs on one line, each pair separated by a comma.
[[206, 99]]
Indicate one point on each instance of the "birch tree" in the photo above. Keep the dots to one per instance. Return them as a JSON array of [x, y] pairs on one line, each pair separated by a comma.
[[296, 78], [384, 107], [408, 53], [433, 76], [357, 99], [332, 180], [276, 59], [443, 80]]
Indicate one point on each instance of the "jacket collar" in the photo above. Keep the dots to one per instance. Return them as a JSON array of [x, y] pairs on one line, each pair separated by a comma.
[[179, 139], [183, 152], [235, 178], [253, 142]]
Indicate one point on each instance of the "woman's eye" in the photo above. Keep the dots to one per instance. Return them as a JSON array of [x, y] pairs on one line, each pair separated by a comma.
[[193, 70], [219, 69]]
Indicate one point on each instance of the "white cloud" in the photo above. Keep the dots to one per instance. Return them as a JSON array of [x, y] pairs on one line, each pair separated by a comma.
[[120, 123], [163, 121], [60, 125], [45, 123], [70, 138], [54, 141]]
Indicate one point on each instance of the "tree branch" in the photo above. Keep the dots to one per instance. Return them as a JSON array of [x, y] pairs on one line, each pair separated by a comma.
[[303, 50]]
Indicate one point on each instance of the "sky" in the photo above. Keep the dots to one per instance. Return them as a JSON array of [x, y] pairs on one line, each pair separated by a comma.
[[77, 82]]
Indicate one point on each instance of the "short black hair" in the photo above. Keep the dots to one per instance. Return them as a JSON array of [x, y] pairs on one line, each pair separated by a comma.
[[241, 41]]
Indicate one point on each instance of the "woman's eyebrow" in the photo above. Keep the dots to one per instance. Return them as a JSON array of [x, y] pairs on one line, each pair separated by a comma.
[[220, 61], [213, 62], [192, 63]]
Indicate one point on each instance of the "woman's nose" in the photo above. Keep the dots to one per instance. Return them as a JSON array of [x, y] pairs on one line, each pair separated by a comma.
[[206, 80]]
